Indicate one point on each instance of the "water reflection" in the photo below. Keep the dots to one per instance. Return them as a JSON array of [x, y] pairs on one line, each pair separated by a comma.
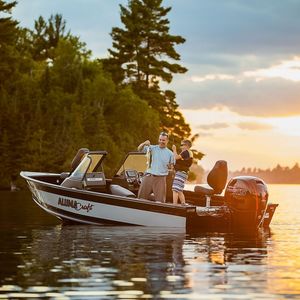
[[227, 263], [92, 261], [39, 258], [105, 258]]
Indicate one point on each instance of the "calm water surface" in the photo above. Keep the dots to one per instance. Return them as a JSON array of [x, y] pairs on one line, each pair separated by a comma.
[[40, 258]]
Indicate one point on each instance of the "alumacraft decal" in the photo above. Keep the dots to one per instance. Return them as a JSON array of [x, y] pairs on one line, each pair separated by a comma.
[[74, 204]]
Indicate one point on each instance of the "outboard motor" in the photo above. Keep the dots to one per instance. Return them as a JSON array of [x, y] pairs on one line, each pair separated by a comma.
[[247, 198]]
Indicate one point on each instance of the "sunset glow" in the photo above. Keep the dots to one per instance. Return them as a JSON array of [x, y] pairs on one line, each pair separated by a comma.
[[289, 126], [245, 141], [241, 91], [150, 149]]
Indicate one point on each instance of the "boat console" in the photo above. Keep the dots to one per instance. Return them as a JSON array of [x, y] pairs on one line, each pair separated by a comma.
[[132, 176], [94, 180], [131, 171], [129, 179]]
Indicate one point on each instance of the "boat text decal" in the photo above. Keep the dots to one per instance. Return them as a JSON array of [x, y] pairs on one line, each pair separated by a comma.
[[74, 204]]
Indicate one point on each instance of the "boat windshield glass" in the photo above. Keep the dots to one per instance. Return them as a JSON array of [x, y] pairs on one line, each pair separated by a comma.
[[90, 163], [82, 167], [95, 165], [136, 161]]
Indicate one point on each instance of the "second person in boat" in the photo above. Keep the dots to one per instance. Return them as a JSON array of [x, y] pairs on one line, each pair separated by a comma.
[[182, 165]]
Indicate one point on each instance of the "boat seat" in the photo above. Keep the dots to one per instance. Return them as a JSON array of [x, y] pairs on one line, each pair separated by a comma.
[[75, 162], [118, 190], [78, 157], [216, 180], [204, 189]]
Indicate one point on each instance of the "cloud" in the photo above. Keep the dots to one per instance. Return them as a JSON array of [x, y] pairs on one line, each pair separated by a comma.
[[243, 59], [271, 91], [213, 126], [212, 77], [237, 27], [205, 134], [254, 126], [237, 52], [288, 70]]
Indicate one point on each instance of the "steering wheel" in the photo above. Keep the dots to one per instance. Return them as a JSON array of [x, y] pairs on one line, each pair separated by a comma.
[[139, 177]]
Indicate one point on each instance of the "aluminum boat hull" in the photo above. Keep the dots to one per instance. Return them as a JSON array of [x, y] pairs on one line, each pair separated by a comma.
[[97, 208], [90, 207]]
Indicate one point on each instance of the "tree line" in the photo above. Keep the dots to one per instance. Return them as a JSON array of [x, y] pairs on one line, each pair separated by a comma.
[[56, 98], [278, 174]]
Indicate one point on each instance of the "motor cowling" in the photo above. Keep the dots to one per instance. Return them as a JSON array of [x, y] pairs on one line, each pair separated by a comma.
[[247, 198]]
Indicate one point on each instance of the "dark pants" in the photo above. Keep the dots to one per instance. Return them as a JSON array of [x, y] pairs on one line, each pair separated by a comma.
[[155, 184]]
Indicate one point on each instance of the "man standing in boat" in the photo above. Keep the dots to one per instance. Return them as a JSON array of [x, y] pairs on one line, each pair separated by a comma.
[[160, 159]]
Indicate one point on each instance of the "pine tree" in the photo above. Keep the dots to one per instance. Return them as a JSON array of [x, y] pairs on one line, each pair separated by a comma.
[[142, 47], [143, 54], [8, 36], [46, 36]]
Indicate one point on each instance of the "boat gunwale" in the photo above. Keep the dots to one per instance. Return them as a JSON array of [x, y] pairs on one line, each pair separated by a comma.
[[162, 208]]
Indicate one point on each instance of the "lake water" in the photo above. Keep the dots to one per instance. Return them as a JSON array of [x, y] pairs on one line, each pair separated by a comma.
[[40, 258]]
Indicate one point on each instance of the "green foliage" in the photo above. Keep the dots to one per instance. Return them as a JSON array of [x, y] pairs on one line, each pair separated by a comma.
[[197, 155], [55, 99], [278, 175], [8, 36], [196, 174], [145, 40], [192, 176], [46, 36], [143, 54]]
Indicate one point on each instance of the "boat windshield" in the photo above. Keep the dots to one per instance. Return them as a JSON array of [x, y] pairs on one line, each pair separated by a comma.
[[90, 163], [134, 161]]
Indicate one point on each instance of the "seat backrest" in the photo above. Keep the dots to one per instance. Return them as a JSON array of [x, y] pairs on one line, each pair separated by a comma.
[[217, 177], [77, 159]]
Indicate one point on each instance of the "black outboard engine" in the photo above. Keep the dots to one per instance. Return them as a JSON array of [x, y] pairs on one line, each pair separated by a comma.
[[247, 198]]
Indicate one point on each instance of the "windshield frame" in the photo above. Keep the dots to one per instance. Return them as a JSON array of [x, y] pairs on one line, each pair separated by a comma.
[[86, 165], [123, 166]]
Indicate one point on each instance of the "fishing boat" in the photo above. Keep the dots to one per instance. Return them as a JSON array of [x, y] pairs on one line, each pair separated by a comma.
[[86, 195]]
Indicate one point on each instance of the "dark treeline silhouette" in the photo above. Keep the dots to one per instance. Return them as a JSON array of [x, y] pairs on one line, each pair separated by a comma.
[[56, 98], [278, 174]]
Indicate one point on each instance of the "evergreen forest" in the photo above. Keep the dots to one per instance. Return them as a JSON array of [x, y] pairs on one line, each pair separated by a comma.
[[55, 97], [279, 174]]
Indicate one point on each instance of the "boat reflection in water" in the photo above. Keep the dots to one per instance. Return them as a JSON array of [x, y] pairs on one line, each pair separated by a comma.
[[231, 263], [135, 262]]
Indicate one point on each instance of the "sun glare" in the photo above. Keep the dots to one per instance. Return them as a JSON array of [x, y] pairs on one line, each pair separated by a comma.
[[286, 125], [264, 142]]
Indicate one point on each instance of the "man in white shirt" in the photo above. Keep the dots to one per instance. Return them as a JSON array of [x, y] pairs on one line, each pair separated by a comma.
[[155, 176]]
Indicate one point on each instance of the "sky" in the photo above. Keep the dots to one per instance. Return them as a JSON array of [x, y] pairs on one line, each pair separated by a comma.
[[241, 93]]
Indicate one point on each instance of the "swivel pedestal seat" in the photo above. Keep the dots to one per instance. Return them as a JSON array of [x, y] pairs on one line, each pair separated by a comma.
[[216, 181]]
